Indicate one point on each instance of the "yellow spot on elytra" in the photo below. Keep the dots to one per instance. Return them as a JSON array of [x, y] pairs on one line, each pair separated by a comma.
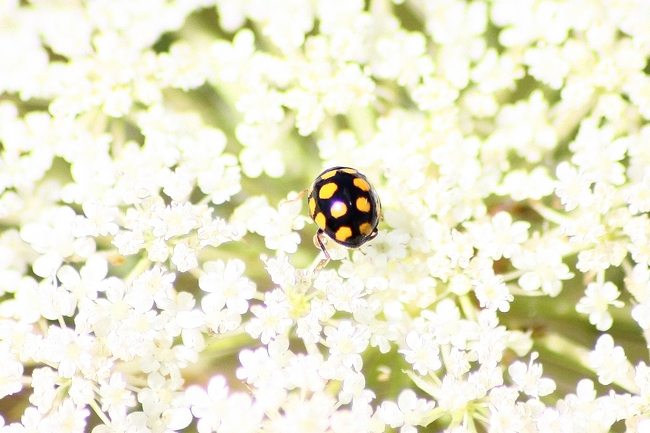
[[343, 233], [361, 184], [327, 190], [363, 204], [312, 206], [349, 170], [328, 174], [320, 220], [365, 229], [338, 209]]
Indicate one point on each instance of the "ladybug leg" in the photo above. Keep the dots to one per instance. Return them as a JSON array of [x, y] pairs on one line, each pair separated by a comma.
[[319, 239], [296, 198]]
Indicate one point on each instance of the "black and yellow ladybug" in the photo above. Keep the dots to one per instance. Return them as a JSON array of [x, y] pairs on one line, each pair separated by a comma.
[[345, 207]]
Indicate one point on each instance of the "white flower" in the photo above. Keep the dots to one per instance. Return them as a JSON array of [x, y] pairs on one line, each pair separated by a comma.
[[348, 296], [501, 238], [272, 319], [491, 341], [216, 231], [182, 66], [434, 94], [638, 153], [44, 382], [460, 284], [259, 154], [448, 326], [103, 316], [458, 248], [86, 282], [82, 391], [638, 196], [544, 269], [523, 126], [609, 361], [346, 342], [304, 413], [11, 372], [351, 86], [261, 105], [263, 368], [131, 423], [524, 23], [458, 161], [408, 412], [21, 66], [492, 292], [178, 184], [598, 297], [180, 317], [641, 313], [401, 57], [226, 286], [99, 220], [529, 378], [603, 256], [114, 396], [598, 154], [54, 301], [219, 410], [52, 237], [128, 242], [642, 377], [638, 229], [547, 65], [585, 230], [70, 351], [496, 72], [522, 185], [67, 418], [221, 180], [134, 335], [387, 246], [164, 404], [457, 393], [309, 326], [505, 414], [154, 284], [422, 352], [637, 283], [573, 187], [174, 220], [277, 226], [209, 406], [184, 257], [282, 272], [302, 371]]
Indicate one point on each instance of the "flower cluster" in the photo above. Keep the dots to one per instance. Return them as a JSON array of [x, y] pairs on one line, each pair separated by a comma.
[[154, 270]]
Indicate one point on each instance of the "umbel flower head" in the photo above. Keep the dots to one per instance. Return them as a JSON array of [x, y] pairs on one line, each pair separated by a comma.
[[157, 272]]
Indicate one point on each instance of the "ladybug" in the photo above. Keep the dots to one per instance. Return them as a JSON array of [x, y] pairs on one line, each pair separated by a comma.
[[345, 207]]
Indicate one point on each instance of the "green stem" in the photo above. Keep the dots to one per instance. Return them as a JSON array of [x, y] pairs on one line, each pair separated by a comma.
[[548, 213]]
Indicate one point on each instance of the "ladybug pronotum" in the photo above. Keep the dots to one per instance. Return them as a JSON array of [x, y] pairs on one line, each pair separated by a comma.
[[345, 207]]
